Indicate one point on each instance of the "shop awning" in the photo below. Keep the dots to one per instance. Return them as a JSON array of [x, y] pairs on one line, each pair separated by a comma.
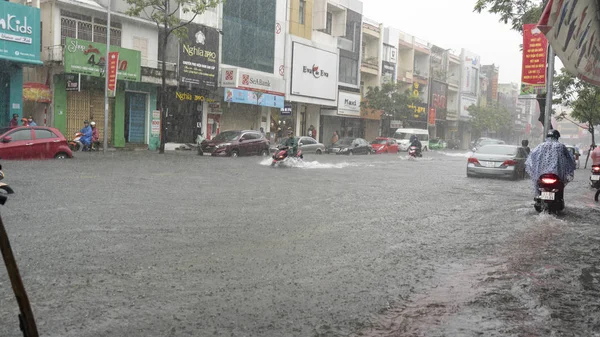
[[24, 61], [572, 27]]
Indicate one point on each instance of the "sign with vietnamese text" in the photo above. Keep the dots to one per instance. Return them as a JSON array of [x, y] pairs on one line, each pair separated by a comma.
[[155, 130], [439, 94], [19, 33], [533, 72], [37, 92], [418, 111], [199, 57], [88, 58], [432, 115], [253, 98], [113, 62], [72, 82]]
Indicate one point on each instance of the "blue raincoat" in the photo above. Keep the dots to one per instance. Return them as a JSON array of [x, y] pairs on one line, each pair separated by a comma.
[[550, 157], [86, 139]]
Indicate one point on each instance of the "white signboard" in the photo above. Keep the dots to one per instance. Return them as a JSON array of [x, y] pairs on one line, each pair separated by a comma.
[[229, 77], [260, 82], [471, 63], [314, 72], [465, 103], [349, 104]]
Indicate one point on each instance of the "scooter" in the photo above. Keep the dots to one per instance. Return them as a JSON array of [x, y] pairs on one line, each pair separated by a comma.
[[551, 197], [75, 144], [413, 152], [282, 154]]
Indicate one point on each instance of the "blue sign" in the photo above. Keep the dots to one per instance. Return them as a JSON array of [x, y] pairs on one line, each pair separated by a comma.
[[19, 33], [253, 98]]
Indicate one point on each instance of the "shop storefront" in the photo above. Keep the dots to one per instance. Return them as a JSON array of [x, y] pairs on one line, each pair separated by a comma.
[[254, 100], [79, 94], [313, 89], [19, 47], [345, 121]]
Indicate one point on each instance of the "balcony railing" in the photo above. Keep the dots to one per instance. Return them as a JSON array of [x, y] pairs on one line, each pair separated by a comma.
[[370, 63]]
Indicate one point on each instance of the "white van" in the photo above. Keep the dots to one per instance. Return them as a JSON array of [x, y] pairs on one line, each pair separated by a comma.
[[402, 136]]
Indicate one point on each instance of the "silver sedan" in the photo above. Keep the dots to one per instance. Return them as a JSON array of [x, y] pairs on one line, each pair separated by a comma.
[[501, 161]]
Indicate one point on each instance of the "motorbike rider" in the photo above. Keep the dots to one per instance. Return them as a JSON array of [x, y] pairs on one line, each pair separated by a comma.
[[414, 141], [553, 157], [595, 155], [95, 136], [525, 146], [86, 139], [292, 143]]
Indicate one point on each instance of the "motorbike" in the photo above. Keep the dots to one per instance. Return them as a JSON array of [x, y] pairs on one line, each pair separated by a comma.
[[75, 144], [413, 152], [551, 197], [595, 180], [4, 186], [281, 154]]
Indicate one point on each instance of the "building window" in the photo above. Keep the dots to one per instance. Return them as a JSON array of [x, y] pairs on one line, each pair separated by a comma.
[[85, 27], [302, 10], [141, 44], [249, 34], [348, 70], [329, 23]]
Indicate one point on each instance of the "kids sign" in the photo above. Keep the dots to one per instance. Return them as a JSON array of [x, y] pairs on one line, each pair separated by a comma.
[[88, 58], [19, 33]]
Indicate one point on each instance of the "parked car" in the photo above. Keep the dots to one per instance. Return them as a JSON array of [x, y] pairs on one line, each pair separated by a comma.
[[236, 143], [385, 145], [351, 146], [33, 142], [308, 145], [576, 153], [487, 141], [497, 160], [437, 144]]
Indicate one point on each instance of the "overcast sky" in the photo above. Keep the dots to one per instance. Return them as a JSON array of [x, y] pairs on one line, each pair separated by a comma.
[[453, 24]]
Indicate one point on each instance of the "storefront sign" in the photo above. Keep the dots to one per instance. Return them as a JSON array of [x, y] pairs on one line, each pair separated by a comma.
[[470, 74], [533, 72], [395, 124], [199, 57], [88, 58], [113, 61], [418, 111], [215, 108], [37, 92], [286, 110], [72, 82], [19, 33], [188, 96], [314, 72], [252, 81], [348, 104], [439, 94], [155, 123], [432, 115], [465, 103], [253, 98]]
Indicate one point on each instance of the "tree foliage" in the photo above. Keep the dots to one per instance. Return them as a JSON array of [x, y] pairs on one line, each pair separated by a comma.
[[516, 13], [582, 97], [166, 15], [492, 118], [391, 99]]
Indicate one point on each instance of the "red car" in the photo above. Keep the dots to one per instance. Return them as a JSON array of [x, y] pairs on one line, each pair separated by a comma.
[[385, 145], [33, 142]]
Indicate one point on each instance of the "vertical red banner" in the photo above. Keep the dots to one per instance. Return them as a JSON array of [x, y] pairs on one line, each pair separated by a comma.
[[432, 116], [535, 48], [113, 64]]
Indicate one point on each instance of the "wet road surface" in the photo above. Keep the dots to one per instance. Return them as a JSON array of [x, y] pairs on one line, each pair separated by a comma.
[[180, 245]]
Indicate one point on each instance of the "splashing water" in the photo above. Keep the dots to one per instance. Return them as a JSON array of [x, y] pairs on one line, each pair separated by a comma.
[[289, 163], [450, 154]]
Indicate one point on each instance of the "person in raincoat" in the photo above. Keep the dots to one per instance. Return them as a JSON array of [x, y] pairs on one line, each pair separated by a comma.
[[95, 136], [86, 139], [595, 155], [292, 143], [550, 157]]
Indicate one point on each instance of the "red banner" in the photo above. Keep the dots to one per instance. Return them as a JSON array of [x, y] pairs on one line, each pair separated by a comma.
[[431, 116], [535, 47], [113, 64]]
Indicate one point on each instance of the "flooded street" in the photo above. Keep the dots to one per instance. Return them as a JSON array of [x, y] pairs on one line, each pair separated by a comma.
[[178, 245]]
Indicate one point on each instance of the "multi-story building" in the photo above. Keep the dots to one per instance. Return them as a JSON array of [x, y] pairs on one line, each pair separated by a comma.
[[491, 72], [469, 92], [453, 80], [322, 67], [508, 97], [377, 59], [438, 100]]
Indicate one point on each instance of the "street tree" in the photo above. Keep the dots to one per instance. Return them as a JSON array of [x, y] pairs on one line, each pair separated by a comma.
[[391, 100], [582, 97], [491, 118], [165, 14], [516, 13]]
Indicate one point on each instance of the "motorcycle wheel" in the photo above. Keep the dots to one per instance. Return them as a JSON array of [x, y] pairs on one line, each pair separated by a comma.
[[538, 208], [597, 195]]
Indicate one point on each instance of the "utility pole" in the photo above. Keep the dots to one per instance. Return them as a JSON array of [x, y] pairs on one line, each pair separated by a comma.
[[105, 133], [549, 82]]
